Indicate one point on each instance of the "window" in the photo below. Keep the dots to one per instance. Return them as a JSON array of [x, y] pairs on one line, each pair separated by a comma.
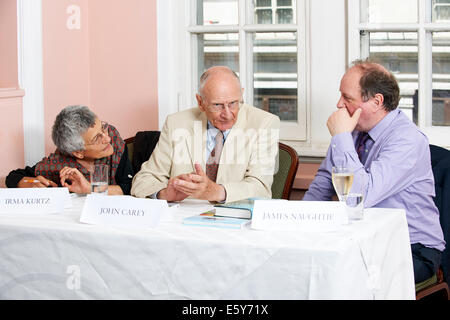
[[264, 42], [412, 39], [280, 11]]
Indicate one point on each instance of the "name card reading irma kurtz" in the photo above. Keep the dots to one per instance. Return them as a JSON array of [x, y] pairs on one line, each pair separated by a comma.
[[298, 215], [33, 200], [122, 211]]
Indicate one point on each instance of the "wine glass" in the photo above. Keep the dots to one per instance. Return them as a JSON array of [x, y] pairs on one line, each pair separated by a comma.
[[342, 178]]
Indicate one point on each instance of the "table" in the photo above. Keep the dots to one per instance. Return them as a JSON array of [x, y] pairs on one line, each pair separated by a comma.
[[57, 257]]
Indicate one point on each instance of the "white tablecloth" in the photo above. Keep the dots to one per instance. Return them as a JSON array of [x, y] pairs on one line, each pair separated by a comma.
[[57, 257]]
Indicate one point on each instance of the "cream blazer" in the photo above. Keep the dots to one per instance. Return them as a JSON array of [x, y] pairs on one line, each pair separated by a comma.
[[246, 165]]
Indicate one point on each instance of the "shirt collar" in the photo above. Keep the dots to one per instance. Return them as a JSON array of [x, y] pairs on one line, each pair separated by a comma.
[[382, 126], [213, 130]]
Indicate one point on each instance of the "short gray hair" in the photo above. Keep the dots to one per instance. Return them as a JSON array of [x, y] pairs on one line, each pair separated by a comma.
[[70, 124], [206, 75]]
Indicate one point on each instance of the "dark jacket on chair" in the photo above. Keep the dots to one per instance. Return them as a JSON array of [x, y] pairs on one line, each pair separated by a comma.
[[440, 161], [144, 144]]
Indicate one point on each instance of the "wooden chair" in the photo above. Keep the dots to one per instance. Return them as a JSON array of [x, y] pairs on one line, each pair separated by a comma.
[[284, 177]]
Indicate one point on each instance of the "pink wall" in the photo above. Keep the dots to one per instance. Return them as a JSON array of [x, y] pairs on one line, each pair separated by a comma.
[[109, 63], [11, 121], [65, 61], [123, 63], [11, 131], [8, 44]]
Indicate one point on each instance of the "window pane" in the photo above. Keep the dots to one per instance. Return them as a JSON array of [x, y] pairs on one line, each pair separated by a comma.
[[275, 12], [264, 16], [263, 3], [275, 73], [398, 52], [217, 12], [389, 11], [441, 10], [218, 49], [284, 16], [281, 3], [441, 79]]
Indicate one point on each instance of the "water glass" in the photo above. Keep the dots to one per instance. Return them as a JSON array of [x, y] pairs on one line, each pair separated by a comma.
[[355, 206], [100, 179]]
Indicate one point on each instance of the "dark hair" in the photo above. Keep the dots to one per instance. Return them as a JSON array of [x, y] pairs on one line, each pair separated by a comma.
[[376, 79]]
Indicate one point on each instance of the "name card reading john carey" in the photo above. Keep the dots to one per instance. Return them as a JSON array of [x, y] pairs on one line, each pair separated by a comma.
[[123, 211], [298, 215], [33, 200]]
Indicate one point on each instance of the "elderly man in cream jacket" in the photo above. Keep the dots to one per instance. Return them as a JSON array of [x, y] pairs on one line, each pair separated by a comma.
[[222, 151]]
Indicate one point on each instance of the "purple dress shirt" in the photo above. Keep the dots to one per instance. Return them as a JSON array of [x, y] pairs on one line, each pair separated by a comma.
[[394, 172]]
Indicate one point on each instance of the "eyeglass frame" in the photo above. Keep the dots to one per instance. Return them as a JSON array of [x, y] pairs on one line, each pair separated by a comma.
[[219, 107], [98, 139]]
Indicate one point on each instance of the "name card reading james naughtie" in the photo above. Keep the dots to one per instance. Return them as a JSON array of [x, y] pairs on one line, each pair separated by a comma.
[[298, 215], [123, 211], [33, 200]]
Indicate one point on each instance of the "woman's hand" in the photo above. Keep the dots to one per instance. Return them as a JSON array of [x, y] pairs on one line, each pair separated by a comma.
[[35, 182], [74, 180]]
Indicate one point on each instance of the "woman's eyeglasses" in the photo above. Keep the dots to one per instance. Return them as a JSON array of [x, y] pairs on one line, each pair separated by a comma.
[[99, 138]]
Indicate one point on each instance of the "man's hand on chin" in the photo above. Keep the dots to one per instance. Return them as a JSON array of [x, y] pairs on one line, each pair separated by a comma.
[[341, 121]]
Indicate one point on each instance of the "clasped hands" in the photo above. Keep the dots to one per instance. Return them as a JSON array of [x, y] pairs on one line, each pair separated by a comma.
[[70, 178], [196, 185]]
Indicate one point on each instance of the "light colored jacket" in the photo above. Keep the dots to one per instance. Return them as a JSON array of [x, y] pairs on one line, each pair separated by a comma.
[[246, 165]]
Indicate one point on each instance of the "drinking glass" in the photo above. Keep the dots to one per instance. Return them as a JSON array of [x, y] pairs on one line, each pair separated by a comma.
[[342, 178], [99, 179], [355, 206]]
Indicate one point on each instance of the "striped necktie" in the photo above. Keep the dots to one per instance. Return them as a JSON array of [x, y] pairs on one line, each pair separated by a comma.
[[213, 162]]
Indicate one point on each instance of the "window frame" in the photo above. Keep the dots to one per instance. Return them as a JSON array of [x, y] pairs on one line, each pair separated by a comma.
[[185, 34], [437, 135]]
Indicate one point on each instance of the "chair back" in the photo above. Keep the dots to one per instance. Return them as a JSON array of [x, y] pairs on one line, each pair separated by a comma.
[[141, 146], [285, 172], [130, 147], [440, 161]]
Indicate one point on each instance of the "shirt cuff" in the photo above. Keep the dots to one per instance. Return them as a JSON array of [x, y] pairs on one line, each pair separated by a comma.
[[343, 152], [343, 142], [154, 195]]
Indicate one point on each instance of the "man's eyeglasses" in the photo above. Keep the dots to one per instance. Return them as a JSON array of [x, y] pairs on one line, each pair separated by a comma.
[[219, 107], [99, 138]]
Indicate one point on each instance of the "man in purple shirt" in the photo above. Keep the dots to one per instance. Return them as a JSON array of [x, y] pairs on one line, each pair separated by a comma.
[[389, 156]]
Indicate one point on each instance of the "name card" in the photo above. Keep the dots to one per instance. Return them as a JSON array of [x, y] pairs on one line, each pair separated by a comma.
[[33, 200], [298, 215], [123, 211]]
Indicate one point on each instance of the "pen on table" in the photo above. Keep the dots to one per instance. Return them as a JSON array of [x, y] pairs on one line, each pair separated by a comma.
[[31, 180], [36, 181]]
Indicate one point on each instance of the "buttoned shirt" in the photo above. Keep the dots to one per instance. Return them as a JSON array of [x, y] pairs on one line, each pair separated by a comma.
[[396, 174]]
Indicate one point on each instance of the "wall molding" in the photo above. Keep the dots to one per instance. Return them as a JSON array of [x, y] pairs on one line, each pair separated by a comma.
[[30, 74], [7, 93]]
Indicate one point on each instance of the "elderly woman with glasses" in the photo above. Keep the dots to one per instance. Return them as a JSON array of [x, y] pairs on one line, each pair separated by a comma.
[[82, 141]]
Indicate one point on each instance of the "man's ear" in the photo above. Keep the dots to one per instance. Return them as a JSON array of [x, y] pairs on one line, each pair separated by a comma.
[[200, 102], [378, 100], [78, 154]]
